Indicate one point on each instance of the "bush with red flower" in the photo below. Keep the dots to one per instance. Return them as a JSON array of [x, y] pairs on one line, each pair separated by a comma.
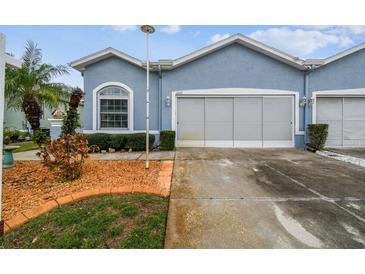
[[66, 155]]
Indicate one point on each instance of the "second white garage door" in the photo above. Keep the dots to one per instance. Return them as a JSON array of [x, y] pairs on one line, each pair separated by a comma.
[[345, 117], [235, 121]]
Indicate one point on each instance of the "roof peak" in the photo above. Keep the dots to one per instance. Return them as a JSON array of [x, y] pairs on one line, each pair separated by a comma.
[[301, 64]]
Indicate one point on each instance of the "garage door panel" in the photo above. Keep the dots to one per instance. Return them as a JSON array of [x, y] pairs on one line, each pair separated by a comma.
[[246, 131], [219, 119], [354, 130], [354, 109], [277, 131], [248, 120], [277, 119], [190, 117], [329, 109]]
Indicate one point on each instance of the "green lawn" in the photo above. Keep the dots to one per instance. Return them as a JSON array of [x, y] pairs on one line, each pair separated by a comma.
[[121, 221], [25, 146]]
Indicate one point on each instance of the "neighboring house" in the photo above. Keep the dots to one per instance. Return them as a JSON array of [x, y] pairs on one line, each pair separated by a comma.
[[235, 93], [16, 119]]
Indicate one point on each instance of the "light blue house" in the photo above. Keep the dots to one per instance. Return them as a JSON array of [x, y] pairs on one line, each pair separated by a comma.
[[235, 93]]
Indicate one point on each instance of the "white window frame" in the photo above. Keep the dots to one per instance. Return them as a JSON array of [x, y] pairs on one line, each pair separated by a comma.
[[111, 97], [96, 107]]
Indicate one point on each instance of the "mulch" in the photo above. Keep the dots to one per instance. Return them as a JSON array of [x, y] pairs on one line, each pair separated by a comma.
[[30, 184]]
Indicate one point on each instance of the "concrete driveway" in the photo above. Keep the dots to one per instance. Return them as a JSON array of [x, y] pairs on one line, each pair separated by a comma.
[[264, 198]]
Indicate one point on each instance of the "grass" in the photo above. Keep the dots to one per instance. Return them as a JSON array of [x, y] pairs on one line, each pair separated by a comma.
[[123, 221], [25, 146]]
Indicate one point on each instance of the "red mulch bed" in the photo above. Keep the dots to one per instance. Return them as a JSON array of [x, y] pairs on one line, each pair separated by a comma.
[[30, 184]]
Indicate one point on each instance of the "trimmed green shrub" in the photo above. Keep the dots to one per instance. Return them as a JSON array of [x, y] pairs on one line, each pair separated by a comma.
[[14, 134], [118, 141], [102, 140], [167, 139], [137, 141], [317, 135], [40, 137]]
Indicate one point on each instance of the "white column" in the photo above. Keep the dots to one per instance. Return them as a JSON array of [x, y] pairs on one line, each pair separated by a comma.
[[55, 128], [2, 98]]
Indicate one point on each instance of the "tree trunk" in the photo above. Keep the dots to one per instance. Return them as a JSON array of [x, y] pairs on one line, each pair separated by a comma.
[[33, 112]]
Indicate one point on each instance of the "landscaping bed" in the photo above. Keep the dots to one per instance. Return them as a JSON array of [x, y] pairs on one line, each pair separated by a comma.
[[30, 184], [110, 221]]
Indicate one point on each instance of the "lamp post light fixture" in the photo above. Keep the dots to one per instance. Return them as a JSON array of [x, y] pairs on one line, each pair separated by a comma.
[[147, 29]]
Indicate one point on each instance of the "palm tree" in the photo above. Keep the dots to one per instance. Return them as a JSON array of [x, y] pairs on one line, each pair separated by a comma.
[[31, 87]]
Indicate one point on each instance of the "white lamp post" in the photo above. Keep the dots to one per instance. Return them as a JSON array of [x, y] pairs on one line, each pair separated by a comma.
[[148, 30]]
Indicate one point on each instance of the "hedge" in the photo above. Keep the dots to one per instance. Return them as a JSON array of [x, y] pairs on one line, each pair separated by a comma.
[[135, 141], [118, 141], [102, 140], [317, 135], [167, 140]]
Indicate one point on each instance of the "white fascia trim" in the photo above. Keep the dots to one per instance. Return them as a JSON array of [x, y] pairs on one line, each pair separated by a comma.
[[343, 54], [117, 131], [12, 62], [234, 92], [80, 64], [356, 92], [130, 103], [248, 42]]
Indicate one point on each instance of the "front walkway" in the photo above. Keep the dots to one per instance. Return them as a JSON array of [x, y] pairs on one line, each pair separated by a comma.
[[264, 198]]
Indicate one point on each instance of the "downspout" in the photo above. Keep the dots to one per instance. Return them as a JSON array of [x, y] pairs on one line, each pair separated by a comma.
[[306, 107], [159, 98]]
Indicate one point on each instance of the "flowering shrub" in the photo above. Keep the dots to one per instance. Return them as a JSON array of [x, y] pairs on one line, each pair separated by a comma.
[[66, 155]]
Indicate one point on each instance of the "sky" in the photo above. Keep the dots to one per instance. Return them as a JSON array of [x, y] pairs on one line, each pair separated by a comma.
[[63, 44]]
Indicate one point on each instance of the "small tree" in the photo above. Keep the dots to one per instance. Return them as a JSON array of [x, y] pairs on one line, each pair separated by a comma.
[[71, 122], [66, 155], [32, 86]]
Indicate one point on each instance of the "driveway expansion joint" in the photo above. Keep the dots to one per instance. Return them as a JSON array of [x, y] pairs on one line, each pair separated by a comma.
[[323, 197]]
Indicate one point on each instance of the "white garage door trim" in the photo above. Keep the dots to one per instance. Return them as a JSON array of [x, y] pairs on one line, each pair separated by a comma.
[[343, 93], [238, 92]]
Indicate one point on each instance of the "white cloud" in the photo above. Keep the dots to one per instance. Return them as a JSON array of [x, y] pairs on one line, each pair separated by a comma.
[[171, 29], [344, 30], [217, 37], [124, 28], [299, 42]]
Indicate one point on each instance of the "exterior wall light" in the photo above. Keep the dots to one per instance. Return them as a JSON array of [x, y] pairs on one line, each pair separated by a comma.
[[303, 101], [311, 101], [168, 101]]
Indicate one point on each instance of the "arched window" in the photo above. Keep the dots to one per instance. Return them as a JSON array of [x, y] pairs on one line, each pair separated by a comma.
[[113, 108]]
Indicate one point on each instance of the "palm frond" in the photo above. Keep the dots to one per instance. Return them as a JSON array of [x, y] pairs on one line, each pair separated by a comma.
[[32, 56]]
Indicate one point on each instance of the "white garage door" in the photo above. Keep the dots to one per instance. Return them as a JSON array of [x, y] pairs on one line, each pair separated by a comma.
[[235, 121], [345, 117]]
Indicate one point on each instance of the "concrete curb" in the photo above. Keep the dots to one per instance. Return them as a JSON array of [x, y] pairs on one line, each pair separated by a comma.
[[341, 157], [163, 189]]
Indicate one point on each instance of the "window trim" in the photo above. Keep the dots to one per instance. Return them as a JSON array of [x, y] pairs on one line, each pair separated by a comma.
[[95, 124]]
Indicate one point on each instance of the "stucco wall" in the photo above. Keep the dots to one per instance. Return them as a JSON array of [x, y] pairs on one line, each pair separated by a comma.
[[345, 73], [232, 67], [116, 70]]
